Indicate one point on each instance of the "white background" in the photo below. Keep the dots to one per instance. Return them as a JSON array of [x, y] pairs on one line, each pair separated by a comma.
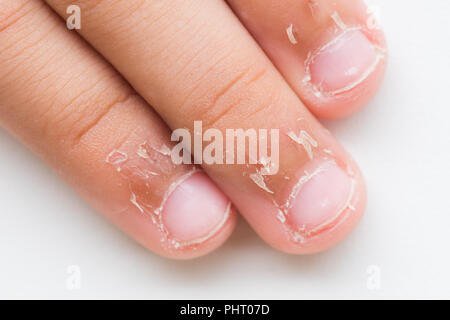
[[401, 141]]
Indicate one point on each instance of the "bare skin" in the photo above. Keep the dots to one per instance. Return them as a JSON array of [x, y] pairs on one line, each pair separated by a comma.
[[99, 106]]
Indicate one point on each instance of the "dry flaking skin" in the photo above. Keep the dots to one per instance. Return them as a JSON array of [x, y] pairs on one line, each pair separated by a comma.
[[305, 140], [267, 168], [145, 166], [338, 20], [291, 35], [283, 203]]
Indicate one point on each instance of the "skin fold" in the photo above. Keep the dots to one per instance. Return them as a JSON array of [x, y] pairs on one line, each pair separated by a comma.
[[99, 106]]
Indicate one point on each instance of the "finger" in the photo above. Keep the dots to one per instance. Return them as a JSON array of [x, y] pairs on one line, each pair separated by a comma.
[[67, 104], [192, 67], [332, 53]]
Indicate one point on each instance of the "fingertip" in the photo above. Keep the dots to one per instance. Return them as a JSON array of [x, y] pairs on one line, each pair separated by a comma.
[[332, 53], [197, 217], [207, 246], [326, 210], [344, 73], [158, 244]]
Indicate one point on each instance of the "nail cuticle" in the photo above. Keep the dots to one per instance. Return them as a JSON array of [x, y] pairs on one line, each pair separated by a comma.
[[291, 214], [323, 82]]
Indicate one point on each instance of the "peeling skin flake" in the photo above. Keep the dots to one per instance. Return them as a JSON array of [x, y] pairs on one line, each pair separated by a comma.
[[164, 150], [142, 151], [133, 200], [305, 140], [280, 215], [116, 157], [298, 238], [258, 179], [290, 34], [337, 19], [269, 167]]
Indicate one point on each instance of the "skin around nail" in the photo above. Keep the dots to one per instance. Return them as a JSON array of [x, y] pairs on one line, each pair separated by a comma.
[[316, 196], [332, 53], [188, 212]]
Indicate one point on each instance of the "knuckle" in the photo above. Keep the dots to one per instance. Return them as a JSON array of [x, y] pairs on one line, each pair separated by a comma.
[[80, 130], [74, 117], [237, 96]]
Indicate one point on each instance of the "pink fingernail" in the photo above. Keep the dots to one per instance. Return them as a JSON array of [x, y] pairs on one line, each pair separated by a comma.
[[321, 198], [195, 210], [343, 63]]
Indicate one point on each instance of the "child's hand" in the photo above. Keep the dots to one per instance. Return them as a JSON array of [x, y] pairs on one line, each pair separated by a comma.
[[194, 60]]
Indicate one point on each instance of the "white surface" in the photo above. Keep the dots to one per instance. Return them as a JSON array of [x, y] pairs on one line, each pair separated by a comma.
[[401, 141]]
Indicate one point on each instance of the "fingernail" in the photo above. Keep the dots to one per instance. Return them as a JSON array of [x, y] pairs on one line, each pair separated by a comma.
[[343, 63], [321, 198], [195, 210]]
